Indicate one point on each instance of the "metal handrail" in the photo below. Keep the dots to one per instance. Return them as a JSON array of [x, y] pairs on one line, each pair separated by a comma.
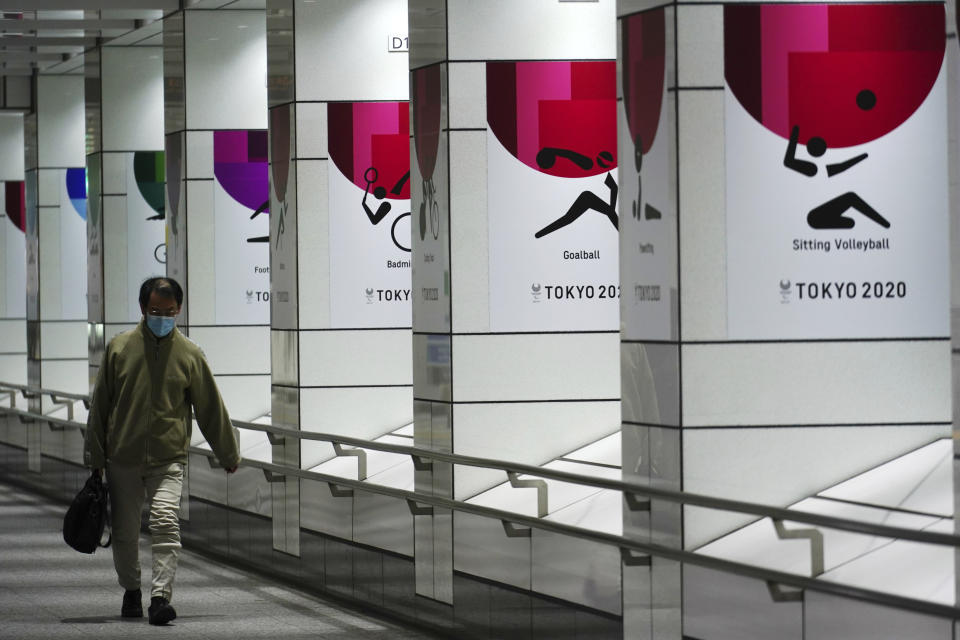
[[680, 497], [29, 416], [28, 392], [624, 544], [627, 488]]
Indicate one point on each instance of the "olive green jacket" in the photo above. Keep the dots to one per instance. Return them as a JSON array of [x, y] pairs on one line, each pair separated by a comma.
[[140, 408]]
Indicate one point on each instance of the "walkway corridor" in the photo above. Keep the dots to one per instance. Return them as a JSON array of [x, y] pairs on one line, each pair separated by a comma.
[[47, 591]]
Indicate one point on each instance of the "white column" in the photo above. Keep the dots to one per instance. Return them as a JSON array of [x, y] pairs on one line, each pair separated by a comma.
[[340, 249], [745, 376], [515, 321], [56, 252], [13, 325], [215, 121], [125, 224]]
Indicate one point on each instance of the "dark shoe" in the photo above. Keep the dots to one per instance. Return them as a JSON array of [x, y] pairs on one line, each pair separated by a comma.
[[160, 611], [132, 605]]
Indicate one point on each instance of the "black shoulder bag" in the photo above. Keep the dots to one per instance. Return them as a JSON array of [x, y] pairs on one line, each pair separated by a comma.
[[87, 517]]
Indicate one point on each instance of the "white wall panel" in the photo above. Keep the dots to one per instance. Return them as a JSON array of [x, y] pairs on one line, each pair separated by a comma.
[[246, 397], [243, 349], [64, 375], [313, 243], [117, 291], [63, 340], [329, 358], [11, 146], [48, 187], [114, 178], [700, 46], [536, 367], [510, 30], [782, 465], [816, 383], [468, 95], [51, 305], [360, 413], [311, 130], [60, 121], [468, 226], [13, 270], [112, 330], [226, 66], [333, 31], [14, 334], [532, 433], [199, 154], [132, 104], [703, 230], [201, 274], [13, 369]]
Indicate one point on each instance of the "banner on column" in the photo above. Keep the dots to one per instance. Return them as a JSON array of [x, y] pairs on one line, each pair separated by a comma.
[[836, 171], [552, 196], [430, 203], [146, 249], [648, 231], [369, 214], [14, 251], [73, 244], [241, 198]]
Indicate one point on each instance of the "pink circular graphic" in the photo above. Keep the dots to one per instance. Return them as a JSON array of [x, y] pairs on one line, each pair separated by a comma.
[[557, 117], [369, 142], [844, 73]]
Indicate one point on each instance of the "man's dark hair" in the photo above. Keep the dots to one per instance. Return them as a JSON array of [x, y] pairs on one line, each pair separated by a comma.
[[164, 287]]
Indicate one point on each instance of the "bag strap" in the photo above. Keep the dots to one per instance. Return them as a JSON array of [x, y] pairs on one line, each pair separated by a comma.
[[105, 488]]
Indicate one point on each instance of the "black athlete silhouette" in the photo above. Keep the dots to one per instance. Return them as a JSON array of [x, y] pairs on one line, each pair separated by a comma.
[[370, 176], [587, 200], [830, 215], [262, 208]]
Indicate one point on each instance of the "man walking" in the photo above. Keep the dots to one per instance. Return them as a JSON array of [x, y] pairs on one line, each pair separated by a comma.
[[139, 429]]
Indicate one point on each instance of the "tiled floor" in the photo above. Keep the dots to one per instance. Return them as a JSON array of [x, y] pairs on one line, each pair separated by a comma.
[[47, 591]]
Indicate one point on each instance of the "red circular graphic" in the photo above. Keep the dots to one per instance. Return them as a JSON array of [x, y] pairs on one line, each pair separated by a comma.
[[558, 117], [845, 73]]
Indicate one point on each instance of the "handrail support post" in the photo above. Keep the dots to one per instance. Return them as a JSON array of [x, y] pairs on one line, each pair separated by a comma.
[[532, 483]]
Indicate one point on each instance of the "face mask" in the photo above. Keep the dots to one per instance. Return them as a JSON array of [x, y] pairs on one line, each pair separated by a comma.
[[160, 325]]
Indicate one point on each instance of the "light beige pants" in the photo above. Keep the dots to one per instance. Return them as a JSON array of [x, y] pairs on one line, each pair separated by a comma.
[[161, 485]]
